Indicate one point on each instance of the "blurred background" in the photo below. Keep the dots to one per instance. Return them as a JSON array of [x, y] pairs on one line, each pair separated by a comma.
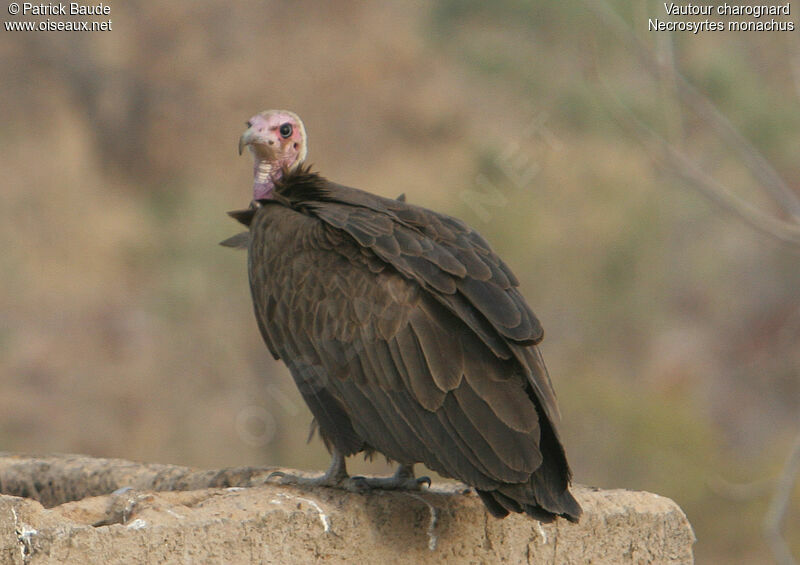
[[671, 324]]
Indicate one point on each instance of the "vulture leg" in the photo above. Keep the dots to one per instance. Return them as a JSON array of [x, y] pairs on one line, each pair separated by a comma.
[[335, 476], [403, 479]]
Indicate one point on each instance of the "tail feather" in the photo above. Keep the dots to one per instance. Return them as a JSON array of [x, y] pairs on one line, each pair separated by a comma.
[[546, 495]]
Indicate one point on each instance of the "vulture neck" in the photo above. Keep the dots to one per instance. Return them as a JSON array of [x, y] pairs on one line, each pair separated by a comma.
[[264, 176], [269, 176]]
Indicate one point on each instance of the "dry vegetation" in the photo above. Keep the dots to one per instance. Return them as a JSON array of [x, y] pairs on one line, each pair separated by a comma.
[[672, 327]]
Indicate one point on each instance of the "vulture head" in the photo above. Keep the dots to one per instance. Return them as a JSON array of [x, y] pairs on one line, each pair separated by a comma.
[[277, 140]]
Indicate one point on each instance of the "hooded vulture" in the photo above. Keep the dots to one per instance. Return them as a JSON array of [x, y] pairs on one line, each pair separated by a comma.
[[404, 331]]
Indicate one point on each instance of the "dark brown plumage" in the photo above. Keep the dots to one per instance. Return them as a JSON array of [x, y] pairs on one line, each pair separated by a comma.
[[406, 334]]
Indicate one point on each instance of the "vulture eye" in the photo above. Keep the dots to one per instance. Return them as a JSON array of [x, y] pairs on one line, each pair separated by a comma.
[[286, 130], [248, 124]]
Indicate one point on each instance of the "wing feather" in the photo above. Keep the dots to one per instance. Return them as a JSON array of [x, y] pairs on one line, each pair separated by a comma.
[[441, 252], [409, 358], [518, 451], [407, 334], [441, 351]]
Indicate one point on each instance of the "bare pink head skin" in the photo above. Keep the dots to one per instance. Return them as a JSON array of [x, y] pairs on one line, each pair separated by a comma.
[[277, 140]]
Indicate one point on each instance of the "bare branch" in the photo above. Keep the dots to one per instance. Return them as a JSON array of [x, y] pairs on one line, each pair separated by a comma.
[[761, 169], [683, 166], [694, 175]]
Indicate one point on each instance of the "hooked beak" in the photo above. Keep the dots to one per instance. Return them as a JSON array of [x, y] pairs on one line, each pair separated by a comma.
[[245, 139], [260, 146]]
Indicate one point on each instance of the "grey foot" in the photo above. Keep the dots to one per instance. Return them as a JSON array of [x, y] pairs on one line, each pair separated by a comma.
[[323, 481], [336, 475], [403, 479]]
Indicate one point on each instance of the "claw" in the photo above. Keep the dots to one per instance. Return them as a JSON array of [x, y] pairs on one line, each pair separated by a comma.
[[403, 479]]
